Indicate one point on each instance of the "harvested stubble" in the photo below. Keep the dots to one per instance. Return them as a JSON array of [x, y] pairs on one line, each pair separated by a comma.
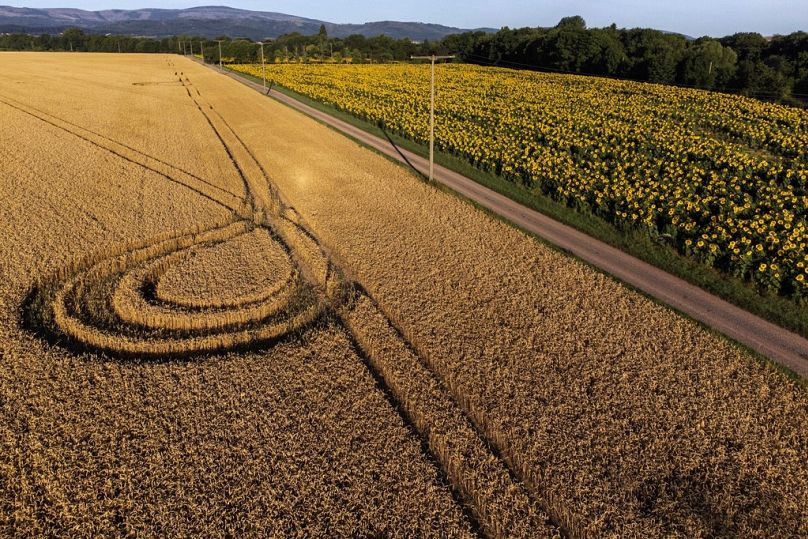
[[624, 417], [290, 441]]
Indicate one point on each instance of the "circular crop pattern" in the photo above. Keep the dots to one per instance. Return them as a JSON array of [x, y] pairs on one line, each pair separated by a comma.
[[249, 268], [227, 287]]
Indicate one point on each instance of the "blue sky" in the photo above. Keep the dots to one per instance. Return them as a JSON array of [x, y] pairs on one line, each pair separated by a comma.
[[692, 17]]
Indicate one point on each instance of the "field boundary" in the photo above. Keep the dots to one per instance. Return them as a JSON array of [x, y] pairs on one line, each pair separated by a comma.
[[780, 345]]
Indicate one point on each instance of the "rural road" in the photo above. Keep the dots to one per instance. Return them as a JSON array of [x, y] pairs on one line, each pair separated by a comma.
[[780, 345]]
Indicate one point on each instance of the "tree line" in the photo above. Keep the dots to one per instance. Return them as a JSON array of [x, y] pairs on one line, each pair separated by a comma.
[[75, 39], [748, 63], [770, 68]]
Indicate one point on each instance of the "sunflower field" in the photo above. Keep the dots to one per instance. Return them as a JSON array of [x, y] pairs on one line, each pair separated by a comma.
[[722, 178]]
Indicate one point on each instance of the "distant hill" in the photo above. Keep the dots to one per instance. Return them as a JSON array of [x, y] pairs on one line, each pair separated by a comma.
[[205, 21]]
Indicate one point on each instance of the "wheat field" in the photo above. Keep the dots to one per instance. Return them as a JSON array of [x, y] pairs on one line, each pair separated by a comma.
[[219, 317], [275, 440]]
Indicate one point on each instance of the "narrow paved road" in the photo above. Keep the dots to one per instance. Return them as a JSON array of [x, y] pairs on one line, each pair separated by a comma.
[[778, 344]]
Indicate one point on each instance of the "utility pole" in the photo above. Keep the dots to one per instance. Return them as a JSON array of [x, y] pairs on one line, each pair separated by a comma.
[[191, 43], [202, 50], [220, 53], [119, 46], [179, 46], [263, 66], [431, 109]]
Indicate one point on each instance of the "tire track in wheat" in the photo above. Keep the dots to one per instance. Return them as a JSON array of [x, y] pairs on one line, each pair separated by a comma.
[[133, 158]]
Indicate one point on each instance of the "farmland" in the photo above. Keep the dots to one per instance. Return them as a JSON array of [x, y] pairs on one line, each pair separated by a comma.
[[721, 178], [219, 317], [98, 446]]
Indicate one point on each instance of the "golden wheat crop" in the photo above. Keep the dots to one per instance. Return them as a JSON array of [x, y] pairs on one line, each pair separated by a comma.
[[622, 417], [117, 186], [501, 505], [249, 269], [430, 372]]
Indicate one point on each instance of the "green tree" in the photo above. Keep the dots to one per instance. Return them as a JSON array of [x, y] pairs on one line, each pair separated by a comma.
[[801, 74], [708, 64], [463, 44], [569, 46], [357, 57], [574, 23], [322, 40], [654, 55], [74, 39], [608, 52], [747, 45]]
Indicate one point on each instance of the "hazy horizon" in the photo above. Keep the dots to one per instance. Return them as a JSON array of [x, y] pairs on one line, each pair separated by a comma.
[[717, 18]]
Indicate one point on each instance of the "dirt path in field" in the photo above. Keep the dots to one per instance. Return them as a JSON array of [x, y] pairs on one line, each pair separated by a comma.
[[778, 344]]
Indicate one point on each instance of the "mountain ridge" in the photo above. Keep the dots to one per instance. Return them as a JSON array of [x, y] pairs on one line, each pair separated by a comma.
[[205, 21]]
